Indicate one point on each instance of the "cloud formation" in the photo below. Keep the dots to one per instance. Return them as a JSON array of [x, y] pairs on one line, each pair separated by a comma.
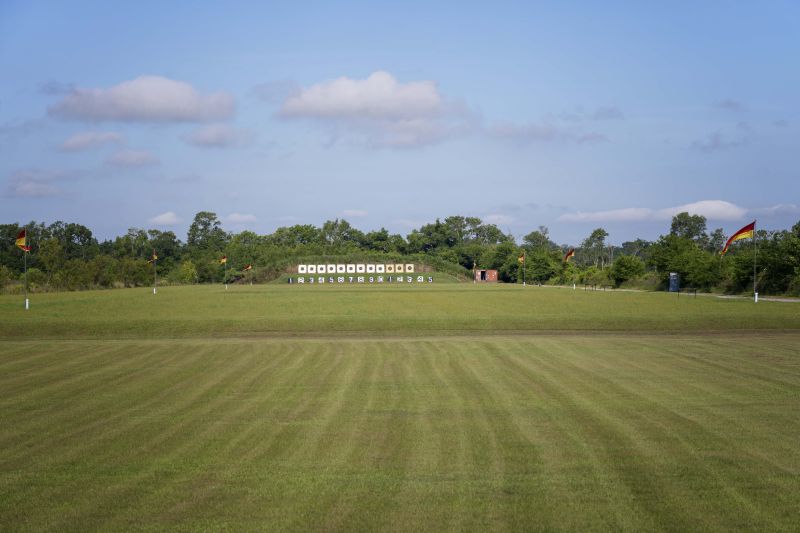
[[379, 110], [165, 219], [144, 99], [716, 142], [379, 96], [132, 159], [218, 136], [33, 184], [711, 209], [90, 139], [777, 210]]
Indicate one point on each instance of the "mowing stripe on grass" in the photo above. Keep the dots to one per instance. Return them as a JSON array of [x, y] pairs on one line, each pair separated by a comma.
[[607, 432]]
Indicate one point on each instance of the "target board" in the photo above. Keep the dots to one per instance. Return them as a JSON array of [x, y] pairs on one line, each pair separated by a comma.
[[367, 273]]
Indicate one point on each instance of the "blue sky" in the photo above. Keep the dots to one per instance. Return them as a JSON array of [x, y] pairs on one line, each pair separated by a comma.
[[570, 115]]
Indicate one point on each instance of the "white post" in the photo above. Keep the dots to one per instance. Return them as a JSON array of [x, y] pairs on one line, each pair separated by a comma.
[[25, 259], [27, 304]]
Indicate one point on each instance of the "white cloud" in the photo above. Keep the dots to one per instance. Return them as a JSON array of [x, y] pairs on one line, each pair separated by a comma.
[[132, 159], [354, 213], [240, 218], [165, 219], [32, 189], [711, 209], [777, 210], [379, 96], [33, 183], [90, 139], [716, 142], [379, 110], [218, 136], [498, 219], [144, 99]]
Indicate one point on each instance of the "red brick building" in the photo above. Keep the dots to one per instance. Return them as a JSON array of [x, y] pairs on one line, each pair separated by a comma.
[[486, 276]]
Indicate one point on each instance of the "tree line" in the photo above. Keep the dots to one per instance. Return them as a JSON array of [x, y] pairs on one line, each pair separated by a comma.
[[66, 256]]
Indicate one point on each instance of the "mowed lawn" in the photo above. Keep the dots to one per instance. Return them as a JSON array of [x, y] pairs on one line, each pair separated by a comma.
[[409, 310], [298, 419]]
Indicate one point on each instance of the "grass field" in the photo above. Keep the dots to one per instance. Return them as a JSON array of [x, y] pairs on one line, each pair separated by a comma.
[[399, 408], [406, 310]]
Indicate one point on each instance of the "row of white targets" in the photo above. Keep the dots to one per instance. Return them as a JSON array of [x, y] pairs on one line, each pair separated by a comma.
[[356, 269]]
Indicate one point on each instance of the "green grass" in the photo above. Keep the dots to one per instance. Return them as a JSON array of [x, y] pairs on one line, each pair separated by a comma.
[[431, 408], [437, 309]]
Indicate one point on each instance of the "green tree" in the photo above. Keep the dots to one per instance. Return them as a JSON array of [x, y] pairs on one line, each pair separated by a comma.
[[187, 272], [340, 234], [105, 271], [594, 245], [625, 268], [539, 239], [5, 276], [51, 257], [692, 227], [206, 233]]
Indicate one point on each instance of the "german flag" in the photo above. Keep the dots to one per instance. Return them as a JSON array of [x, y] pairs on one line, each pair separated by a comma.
[[569, 255], [223, 260], [21, 241], [746, 232], [521, 258], [248, 267], [154, 257]]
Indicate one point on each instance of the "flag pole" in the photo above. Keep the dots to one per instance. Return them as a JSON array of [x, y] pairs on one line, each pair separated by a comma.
[[755, 255], [25, 261], [155, 274], [524, 256], [225, 273]]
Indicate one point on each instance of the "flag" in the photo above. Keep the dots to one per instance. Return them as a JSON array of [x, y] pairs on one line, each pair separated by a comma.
[[154, 257], [746, 232], [521, 258], [248, 267], [21, 241], [569, 255], [223, 260]]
